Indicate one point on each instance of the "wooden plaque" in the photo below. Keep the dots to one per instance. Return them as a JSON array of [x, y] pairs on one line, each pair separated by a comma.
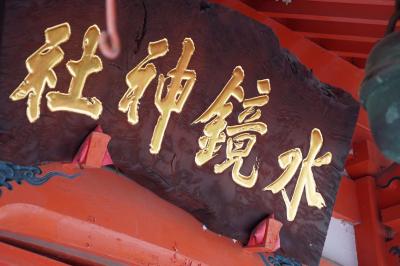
[[226, 43]]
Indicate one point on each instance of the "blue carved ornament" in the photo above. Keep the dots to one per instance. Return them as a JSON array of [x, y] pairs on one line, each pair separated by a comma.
[[10, 172]]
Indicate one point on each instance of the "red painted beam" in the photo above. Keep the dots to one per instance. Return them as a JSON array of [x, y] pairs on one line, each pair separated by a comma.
[[346, 54], [338, 37], [80, 242], [368, 9], [339, 19], [358, 62], [374, 29], [347, 28], [346, 46], [11, 255], [327, 66], [368, 26], [347, 49]]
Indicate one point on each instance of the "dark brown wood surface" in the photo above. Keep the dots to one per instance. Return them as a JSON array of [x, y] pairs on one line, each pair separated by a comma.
[[223, 39]]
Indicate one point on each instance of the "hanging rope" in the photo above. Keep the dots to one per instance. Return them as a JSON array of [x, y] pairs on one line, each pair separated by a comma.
[[109, 40], [393, 19]]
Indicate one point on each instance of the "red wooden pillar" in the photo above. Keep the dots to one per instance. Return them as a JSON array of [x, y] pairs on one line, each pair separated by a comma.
[[369, 233], [346, 204]]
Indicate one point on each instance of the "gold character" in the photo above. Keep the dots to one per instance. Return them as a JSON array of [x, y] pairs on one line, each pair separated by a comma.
[[240, 142], [40, 69], [215, 115], [290, 161], [139, 78], [176, 94], [89, 63]]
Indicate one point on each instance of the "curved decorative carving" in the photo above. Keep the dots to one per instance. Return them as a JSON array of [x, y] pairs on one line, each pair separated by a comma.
[[395, 251], [278, 260], [10, 172]]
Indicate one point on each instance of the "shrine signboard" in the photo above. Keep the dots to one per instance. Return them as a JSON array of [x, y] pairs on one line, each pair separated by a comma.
[[203, 107]]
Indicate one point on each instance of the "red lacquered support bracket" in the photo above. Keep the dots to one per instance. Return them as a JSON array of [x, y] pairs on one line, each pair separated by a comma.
[[93, 152], [366, 160], [265, 237]]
